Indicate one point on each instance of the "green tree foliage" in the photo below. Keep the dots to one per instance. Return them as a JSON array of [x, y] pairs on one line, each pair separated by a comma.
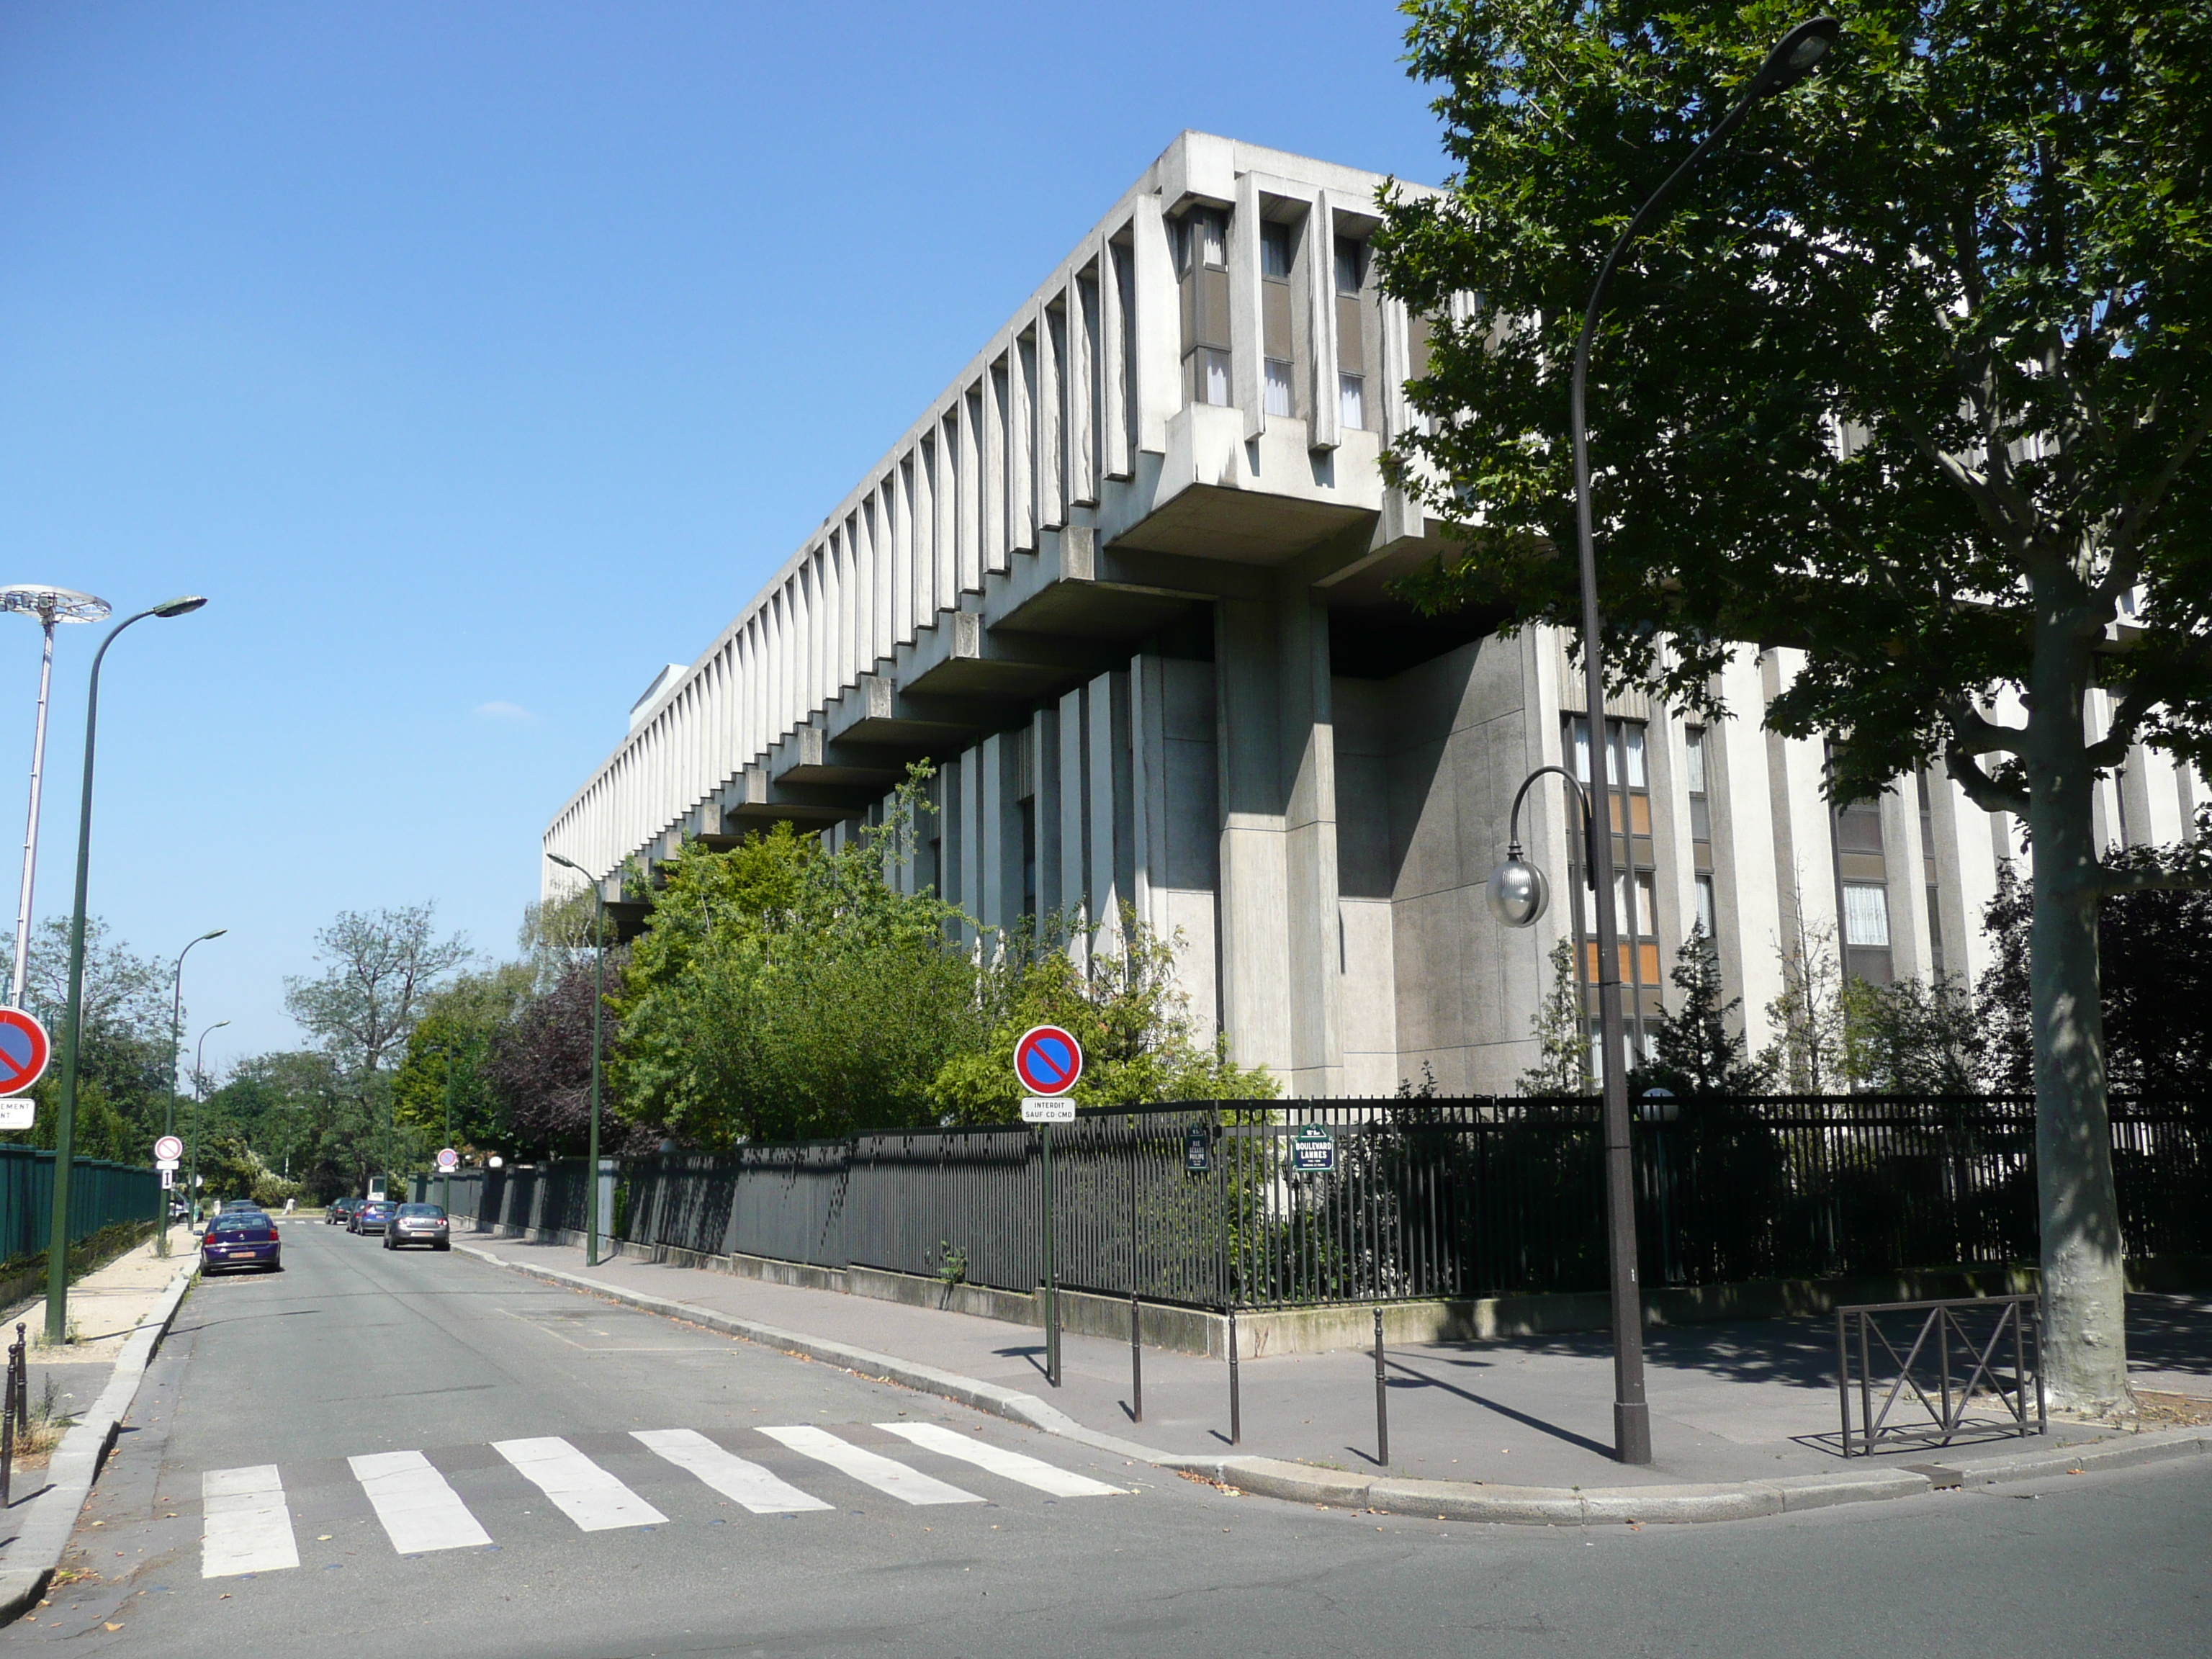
[[295, 1111], [1911, 1037], [1139, 1045], [453, 1041], [2155, 947], [380, 970], [784, 991], [1696, 1053], [122, 1051], [1915, 376], [1561, 1028]]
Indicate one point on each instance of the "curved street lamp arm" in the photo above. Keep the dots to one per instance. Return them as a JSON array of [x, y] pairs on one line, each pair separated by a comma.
[[1581, 800]]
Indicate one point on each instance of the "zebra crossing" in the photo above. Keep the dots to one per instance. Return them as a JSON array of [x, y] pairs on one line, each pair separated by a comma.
[[248, 1515]]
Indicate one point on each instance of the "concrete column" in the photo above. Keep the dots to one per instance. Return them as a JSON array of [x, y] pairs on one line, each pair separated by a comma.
[[1280, 992], [1912, 951], [1045, 737], [989, 760], [1106, 710], [1159, 327], [1747, 901]]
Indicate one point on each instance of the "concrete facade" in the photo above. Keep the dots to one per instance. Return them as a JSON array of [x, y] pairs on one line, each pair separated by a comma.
[[1126, 585]]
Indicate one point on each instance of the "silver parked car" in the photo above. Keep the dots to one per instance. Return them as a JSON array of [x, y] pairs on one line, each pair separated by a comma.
[[418, 1223]]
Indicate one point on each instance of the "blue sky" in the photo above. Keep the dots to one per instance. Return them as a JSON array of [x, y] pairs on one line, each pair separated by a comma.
[[476, 360]]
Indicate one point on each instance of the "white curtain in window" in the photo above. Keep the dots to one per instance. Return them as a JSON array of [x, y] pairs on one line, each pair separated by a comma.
[[1353, 396], [1278, 388], [1706, 907], [1213, 239], [1866, 914], [1693, 761], [1634, 735], [1215, 367]]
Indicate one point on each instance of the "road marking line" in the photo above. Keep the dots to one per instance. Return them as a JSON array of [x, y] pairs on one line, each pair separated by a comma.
[[586, 1493], [1013, 1465], [908, 1485], [248, 1528], [419, 1510], [730, 1475]]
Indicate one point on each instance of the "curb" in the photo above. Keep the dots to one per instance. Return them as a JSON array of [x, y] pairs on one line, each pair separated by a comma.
[[1446, 1500], [37, 1549]]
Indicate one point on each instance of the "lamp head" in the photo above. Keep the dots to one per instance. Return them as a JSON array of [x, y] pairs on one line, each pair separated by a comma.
[[566, 864], [217, 933], [183, 605], [1518, 891], [1795, 56]]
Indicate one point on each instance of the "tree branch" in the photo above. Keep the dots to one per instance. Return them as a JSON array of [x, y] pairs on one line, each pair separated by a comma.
[[1984, 791], [2131, 522], [2127, 716], [1973, 732]]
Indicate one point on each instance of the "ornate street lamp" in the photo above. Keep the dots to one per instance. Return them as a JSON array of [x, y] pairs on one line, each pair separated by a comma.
[[1794, 57], [57, 1238]]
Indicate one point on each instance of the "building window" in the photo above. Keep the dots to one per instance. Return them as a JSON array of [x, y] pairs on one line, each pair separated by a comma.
[[1280, 398], [1210, 376], [1693, 772], [1352, 398], [1705, 916], [1202, 280], [1866, 916], [1351, 265], [1635, 876], [1275, 250]]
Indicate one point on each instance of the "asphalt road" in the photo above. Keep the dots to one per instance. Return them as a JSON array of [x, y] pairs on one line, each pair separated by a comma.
[[614, 1548]]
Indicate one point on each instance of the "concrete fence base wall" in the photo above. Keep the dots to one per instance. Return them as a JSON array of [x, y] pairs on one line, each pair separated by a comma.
[[1264, 1332]]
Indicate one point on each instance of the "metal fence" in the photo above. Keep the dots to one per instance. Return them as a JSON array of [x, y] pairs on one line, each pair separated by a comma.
[[102, 1194], [1427, 1197]]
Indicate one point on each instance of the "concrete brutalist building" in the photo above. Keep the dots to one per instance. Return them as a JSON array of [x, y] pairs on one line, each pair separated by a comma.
[[1126, 583]]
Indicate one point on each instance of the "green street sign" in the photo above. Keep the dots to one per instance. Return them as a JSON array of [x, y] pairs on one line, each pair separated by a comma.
[[1197, 1150], [1313, 1150]]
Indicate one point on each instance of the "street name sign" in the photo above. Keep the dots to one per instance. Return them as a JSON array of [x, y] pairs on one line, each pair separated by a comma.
[[1197, 1149], [167, 1150], [1313, 1150], [1047, 1111], [1047, 1060], [24, 1050]]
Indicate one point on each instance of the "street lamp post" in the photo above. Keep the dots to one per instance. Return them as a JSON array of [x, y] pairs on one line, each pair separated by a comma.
[[1794, 57], [199, 1099], [598, 1003], [176, 1018], [58, 1237], [50, 606]]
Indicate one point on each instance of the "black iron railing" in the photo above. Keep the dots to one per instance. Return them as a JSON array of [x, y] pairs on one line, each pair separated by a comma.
[[1203, 1204], [1929, 1373]]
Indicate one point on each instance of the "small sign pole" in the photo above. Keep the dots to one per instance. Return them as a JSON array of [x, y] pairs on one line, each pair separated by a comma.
[[1047, 1062], [1051, 1270]]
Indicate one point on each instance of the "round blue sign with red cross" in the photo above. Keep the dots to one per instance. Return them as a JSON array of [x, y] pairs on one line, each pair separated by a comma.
[[1047, 1060], [23, 1050]]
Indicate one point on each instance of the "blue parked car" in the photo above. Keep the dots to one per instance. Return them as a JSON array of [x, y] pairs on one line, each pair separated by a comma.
[[241, 1238]]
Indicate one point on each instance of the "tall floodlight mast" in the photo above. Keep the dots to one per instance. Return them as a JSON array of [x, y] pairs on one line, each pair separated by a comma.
[[50, 606]]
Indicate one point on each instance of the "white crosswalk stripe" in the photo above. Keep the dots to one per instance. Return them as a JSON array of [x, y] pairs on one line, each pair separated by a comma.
[[585, 1493], [248, 1528], [870, 1468], [1013, 1465], [729, 1474], [249, 1523], [419, 1510]]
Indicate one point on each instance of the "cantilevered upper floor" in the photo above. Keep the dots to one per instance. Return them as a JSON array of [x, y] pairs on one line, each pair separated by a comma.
[[1190, 407]]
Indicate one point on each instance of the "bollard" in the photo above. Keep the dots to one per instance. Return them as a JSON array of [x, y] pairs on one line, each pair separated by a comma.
[[1382, 1400], [13, 1407], [1136, 1367], [1235, 1412]]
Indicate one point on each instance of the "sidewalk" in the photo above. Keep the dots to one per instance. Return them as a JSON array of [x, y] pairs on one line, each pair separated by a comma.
[[1734, 1402], [105, 1307]]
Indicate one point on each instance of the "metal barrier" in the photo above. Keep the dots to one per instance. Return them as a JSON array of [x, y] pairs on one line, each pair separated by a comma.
[[1201, 1204], [102, 1194], [2011, 1320]]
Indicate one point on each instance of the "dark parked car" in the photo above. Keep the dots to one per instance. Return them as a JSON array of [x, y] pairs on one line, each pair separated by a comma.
[[373, 1217], [340, 1214], [241, 1238], [418, 1223]]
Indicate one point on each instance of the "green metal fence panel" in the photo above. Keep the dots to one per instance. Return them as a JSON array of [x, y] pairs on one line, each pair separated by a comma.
[[102, 1194]]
